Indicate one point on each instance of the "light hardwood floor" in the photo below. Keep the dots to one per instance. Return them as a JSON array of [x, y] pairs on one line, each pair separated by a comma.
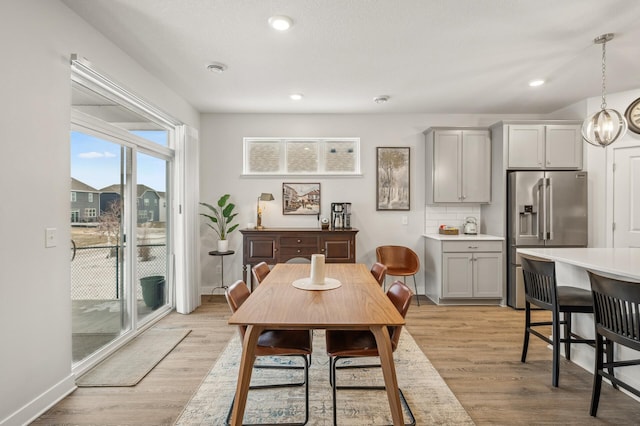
[[475, 349]]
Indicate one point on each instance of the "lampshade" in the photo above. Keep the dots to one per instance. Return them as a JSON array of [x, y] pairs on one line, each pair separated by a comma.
[[266, 196], [607, 125]]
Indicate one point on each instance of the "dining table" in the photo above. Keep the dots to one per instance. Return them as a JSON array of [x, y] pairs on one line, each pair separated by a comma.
[[359, 303]]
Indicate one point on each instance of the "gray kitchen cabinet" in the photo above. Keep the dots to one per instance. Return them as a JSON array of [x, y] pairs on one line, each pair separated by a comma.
[[462, 271], [544, 146], [458, 163]]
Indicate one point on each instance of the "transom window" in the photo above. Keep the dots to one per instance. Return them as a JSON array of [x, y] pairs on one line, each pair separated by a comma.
[[301, 156]]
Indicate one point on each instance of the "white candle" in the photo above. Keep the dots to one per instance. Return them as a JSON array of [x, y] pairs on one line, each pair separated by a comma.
[[317, 269]]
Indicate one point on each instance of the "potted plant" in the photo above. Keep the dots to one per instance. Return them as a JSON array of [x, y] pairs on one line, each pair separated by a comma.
[[221, 218]]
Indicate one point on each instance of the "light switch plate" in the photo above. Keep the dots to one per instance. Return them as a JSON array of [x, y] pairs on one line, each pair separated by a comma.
[[50, 237]]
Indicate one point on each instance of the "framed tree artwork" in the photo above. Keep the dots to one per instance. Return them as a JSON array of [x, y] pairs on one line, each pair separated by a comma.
[[301, 198], [392, 178]]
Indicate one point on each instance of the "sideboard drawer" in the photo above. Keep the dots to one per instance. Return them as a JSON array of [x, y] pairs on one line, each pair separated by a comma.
[[298, 242], [298, 251]]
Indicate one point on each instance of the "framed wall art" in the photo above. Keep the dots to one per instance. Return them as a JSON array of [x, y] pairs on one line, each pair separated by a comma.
[[301, 198], [392, 178]]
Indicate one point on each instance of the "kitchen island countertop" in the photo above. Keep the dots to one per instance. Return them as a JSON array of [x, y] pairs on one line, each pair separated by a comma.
[[621, 262]]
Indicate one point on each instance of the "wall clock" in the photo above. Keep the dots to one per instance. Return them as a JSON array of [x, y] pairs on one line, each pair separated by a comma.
[[633, 116]]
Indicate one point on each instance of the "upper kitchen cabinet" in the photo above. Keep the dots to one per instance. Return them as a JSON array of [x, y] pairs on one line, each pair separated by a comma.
[[544, 146], [458, 165]]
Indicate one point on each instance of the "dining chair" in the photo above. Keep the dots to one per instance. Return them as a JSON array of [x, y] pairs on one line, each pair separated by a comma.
[[294, 343], [342, 344], [542, 291], [616, 306], [260, 272], [400, 262], [379, 272]]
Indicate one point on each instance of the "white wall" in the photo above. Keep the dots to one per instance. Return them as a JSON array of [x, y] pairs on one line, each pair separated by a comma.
[[221, 164], [36, 39]]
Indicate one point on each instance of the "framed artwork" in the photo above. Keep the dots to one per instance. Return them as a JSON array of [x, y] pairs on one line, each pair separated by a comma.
[[392, 178], [301, 198]]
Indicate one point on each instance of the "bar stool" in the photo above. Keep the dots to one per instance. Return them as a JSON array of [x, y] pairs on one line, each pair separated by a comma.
[[616, 306], [541, 290]]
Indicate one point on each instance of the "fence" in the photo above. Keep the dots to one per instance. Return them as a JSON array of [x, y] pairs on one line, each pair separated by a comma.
[[96, 271]]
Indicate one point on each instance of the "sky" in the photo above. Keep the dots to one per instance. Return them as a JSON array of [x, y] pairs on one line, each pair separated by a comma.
[[96, 162]]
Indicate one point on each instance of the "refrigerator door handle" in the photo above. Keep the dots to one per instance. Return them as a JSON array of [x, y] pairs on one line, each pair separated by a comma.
[[549, 212], [542, 209]]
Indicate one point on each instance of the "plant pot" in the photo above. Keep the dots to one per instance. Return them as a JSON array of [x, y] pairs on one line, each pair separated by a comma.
[[153, 290], [223, 245]]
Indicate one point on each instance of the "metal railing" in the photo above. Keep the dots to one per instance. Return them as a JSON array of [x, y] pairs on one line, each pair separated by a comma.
[[96, 271]]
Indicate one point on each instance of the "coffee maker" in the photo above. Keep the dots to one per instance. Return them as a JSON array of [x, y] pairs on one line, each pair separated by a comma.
[[341, 215]]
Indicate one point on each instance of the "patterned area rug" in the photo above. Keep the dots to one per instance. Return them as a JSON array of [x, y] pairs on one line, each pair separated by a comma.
[[431, 400]]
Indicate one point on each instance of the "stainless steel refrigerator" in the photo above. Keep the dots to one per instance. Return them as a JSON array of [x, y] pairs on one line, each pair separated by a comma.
[[544, 209]]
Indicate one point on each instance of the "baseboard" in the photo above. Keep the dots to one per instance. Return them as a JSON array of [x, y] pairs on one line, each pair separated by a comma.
[[211, 290], [35, 408]]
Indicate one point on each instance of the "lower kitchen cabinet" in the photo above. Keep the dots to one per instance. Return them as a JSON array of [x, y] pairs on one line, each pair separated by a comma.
[[464, 270]]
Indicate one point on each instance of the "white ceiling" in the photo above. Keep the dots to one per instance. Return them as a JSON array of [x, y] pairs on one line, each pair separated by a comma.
[[429, 56]]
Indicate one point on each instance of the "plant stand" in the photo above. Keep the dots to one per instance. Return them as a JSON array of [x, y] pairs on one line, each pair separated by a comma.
[[222, 254]]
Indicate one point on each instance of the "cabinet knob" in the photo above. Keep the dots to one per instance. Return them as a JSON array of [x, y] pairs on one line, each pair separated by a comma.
[[298, 251], [298, 241]]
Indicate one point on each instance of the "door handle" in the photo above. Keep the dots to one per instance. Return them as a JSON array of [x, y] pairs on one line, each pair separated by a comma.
[[549, 213], [541, 210]]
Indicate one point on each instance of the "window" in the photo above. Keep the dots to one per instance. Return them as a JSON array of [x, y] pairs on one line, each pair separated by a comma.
[[90, 212], [146, 202], [301, 156], [90, 197], [75, 215], [73, 196]]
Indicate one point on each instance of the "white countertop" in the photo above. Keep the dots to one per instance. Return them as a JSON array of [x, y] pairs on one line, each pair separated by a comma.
[[463, 237], [623, 262]]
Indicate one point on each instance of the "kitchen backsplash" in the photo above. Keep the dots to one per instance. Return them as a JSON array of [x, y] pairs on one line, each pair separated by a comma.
[[449, 215]]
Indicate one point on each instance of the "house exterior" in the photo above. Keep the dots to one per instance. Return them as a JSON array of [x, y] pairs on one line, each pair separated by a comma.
[[85, 202], [148, 202]]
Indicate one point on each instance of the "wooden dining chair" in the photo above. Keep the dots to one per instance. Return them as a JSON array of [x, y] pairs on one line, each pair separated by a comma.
[[541, 290], [400, 262], [343, 344], [379, 272], [294, 343], [616, 306], [260, 272]]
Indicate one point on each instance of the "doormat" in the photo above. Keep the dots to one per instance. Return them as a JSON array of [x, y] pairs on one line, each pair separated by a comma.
[[129, 364], [431, 400]]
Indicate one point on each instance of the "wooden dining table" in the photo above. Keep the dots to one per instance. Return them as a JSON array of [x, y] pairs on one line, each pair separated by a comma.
[[358, 304]]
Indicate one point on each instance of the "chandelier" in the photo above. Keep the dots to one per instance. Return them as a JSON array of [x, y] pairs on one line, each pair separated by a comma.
[[607, 125]]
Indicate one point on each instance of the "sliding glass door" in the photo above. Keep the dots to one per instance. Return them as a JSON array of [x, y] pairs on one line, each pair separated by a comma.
[[121, 170]]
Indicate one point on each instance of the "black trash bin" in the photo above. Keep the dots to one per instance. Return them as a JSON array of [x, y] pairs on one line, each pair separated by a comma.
[[153, 290]]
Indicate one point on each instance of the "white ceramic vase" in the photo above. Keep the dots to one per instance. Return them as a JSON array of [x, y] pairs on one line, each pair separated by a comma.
[[223, 245]]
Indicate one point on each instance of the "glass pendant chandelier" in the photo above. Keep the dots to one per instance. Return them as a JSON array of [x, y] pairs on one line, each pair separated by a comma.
[[607, 125]]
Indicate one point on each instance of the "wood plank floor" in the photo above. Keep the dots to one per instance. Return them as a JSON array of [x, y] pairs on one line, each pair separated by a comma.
[[475, 349]]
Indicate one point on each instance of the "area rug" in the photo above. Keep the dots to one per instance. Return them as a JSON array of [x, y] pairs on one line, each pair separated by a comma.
[[431, 400], [129, 364]]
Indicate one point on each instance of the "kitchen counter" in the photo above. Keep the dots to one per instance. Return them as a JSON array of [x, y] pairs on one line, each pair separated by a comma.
[[621, 262], [464, 269], [463, 237]]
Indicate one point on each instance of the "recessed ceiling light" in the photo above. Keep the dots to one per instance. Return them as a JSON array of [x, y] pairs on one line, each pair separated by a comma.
[[536, 82], [296, 96], [217, 67], [280, 22], [382, 99]]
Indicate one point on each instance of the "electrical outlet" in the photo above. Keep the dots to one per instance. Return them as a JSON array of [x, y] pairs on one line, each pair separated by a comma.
[[405, 220], [218, 269]]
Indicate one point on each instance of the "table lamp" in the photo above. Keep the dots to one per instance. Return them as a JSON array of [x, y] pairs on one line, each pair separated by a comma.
[[265, 196]]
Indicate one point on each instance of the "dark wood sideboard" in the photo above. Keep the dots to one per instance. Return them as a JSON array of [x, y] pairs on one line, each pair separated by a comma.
[[278, 245]]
